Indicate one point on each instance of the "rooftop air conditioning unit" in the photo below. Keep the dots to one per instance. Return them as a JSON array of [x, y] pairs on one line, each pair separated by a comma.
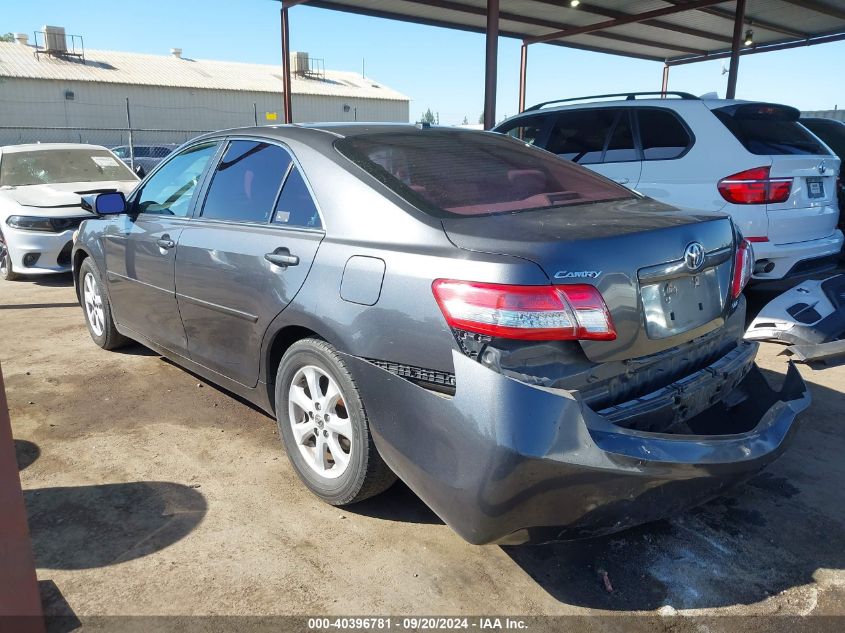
[[299, 63], [55, 40]]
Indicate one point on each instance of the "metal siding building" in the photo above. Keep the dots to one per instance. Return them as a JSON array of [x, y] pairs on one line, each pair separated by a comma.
[[168, 93]]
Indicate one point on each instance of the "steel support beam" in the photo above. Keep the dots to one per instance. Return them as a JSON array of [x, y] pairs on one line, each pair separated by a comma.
[[762, 48], [286, 81], [491, 64], [523, 72], [733, 72], [628, 19], [665, 85]]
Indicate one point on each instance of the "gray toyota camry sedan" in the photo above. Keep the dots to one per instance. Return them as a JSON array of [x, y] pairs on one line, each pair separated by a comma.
[[536, 351]]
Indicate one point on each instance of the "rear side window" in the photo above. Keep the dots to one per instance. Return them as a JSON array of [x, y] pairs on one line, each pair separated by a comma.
[[769, 129], [454, 174], [246, 182], [662, 135], [580, 135], [296, 206]]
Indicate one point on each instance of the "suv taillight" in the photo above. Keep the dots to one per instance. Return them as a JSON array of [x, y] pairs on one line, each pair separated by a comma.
[[539, 313], [743, 267], [754, 186]]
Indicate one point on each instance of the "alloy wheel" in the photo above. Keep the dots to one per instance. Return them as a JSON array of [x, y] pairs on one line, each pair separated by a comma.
[[320, 422], [93, 304]]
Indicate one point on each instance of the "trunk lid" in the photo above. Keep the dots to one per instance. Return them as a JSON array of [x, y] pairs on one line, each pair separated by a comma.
[[633, 252], [811, 212]]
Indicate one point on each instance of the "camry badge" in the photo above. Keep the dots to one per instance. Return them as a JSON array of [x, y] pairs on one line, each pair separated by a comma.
[[577, 274], [822, 167], [694, 256]]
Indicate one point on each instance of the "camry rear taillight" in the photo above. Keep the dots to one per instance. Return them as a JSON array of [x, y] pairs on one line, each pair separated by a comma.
[[754, 186], [743, 266], [539, 313]]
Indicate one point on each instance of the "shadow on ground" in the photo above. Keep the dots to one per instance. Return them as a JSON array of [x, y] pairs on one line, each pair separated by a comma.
[[398, 503], [51, 281], [93, 526], [26, 453]]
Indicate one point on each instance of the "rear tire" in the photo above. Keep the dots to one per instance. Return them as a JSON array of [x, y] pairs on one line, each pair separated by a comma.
[[97, 309], [6, 272], [324, 426]]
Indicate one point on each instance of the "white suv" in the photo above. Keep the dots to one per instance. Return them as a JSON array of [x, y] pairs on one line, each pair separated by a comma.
[[751, 160]]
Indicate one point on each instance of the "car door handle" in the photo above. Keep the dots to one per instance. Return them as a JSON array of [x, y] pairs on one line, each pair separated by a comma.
[[165, 242], [282, 257]]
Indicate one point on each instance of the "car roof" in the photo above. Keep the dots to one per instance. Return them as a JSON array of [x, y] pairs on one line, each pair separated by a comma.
[[28, 147], [671, 103], [323, 135]]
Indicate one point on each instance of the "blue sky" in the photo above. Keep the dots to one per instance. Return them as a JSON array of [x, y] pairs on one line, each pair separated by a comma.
[[437, 68]]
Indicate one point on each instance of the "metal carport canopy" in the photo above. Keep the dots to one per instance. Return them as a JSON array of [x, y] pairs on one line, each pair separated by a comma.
[[670, 31]]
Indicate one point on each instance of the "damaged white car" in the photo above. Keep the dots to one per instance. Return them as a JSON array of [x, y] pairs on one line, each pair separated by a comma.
[[41, 189]]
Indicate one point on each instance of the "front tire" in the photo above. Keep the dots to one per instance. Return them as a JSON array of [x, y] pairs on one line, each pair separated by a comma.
[[97, 309], [324, 426], [6, 272]]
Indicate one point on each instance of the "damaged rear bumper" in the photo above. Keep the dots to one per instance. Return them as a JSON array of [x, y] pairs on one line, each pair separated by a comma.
[[504, 461]]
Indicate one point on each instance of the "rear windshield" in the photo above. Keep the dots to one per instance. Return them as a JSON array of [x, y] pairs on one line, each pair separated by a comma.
[[447, 173], [48, 166], [767, 129]]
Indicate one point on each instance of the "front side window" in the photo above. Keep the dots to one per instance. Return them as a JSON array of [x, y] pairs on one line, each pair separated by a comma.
[[246, 183], [171, 189], [448, 173], [580, 135], [49, 166], [662, 135]]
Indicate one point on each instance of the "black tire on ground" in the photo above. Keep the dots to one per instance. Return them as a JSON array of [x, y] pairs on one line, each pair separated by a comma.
[[366, 475], [6, 272], [109, 338]]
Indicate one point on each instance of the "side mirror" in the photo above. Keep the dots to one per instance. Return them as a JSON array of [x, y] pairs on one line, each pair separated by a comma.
[[111, 203], [140, 171]]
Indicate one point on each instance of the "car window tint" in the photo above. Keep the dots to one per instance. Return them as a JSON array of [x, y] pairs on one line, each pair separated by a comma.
[[246, 182], [170, 190], [527, 130], [580, 136], [662, 135], [456, 174], [831, 132], [121, 152], [296, 206], [620, 147], [767, 129], [142, 152]]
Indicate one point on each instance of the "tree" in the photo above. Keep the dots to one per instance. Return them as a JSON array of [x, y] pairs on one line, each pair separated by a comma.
[[481, 118], [428, 117], [465, 121], [7, 37]]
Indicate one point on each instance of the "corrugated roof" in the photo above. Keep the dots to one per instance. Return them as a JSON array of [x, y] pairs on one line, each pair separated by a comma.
[[680, 32], [21, 61]]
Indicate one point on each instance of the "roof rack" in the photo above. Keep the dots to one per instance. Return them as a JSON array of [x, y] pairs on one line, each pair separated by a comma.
[[629, 96]]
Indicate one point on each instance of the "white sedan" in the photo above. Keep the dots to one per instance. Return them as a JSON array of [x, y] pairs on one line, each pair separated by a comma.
[[41, 189]]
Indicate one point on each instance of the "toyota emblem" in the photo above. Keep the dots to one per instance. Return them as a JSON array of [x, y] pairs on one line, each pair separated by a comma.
[[694, 256]]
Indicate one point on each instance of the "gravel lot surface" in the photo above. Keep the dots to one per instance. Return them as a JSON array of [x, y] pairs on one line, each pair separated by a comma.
[[152, 492]]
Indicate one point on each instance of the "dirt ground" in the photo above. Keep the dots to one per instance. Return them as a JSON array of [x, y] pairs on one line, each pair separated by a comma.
[[150, 491]]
